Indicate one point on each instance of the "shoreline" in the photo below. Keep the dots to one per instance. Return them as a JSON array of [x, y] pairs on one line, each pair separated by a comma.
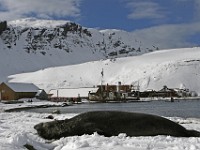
[[31, 107], [34, 105]]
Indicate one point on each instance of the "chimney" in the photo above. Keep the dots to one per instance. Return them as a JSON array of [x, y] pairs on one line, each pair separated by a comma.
[[118, 86]]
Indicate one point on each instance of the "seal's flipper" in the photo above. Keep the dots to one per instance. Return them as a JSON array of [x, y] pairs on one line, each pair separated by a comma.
[[91, 128]]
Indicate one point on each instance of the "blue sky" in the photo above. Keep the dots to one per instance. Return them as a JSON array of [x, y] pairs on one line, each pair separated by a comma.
[[135, 14], [168, 23]]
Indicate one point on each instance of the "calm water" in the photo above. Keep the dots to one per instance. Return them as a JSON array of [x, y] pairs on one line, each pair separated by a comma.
[[183, 108]]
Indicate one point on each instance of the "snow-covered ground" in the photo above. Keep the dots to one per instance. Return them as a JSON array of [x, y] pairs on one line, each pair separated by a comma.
[[16, 130], [26, 104], [174, 68]]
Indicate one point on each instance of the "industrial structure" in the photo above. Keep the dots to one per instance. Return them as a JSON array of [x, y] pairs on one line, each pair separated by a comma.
[[119, 92]]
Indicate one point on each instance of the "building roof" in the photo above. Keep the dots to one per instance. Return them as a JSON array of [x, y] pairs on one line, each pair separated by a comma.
[[74, 92], [22, 87], [40, 91]]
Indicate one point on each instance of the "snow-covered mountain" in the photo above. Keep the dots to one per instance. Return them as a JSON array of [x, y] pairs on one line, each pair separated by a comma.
[[174, 68], [31, 44], [60, 54]]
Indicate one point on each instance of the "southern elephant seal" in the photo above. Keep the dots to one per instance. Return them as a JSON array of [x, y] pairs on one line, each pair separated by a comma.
[[111, 123]]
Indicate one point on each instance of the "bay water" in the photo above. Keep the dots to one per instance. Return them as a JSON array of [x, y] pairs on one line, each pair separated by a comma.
[[182, 108]]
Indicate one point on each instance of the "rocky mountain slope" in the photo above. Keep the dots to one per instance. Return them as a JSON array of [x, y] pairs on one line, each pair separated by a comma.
[[31, 44], [61, 54]]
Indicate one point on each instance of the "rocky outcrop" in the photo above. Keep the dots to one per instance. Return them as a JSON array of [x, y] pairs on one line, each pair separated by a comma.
[[71, 37], [3, 26]]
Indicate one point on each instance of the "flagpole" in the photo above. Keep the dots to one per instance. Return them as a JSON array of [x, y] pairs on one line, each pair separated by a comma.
[[102, 74]]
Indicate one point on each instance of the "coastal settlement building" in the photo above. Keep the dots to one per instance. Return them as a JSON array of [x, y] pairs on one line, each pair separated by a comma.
[[106, 93], [99, 93], [169, 92], [15, 91], [70, 94], [115, 93]]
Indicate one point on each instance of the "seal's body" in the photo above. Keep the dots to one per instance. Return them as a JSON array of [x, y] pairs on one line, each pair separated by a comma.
[[111, 123]]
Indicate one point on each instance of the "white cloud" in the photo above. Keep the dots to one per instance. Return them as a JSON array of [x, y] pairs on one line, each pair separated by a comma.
[[15, 9], [145, 10], [169, 36]]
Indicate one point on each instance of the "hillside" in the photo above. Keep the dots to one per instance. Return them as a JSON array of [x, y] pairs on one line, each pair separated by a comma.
[[174, 68], [29, 44], [59, 54]]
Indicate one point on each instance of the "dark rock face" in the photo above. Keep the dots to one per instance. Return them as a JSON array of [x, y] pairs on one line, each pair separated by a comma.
[[111, 123], [71, 37], [3, 26], [74, 28]]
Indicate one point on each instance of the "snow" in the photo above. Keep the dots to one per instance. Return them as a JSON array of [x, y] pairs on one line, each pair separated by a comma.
[[26, 104], [22, 87], [172, 68], [35, 23], [16, 130]]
